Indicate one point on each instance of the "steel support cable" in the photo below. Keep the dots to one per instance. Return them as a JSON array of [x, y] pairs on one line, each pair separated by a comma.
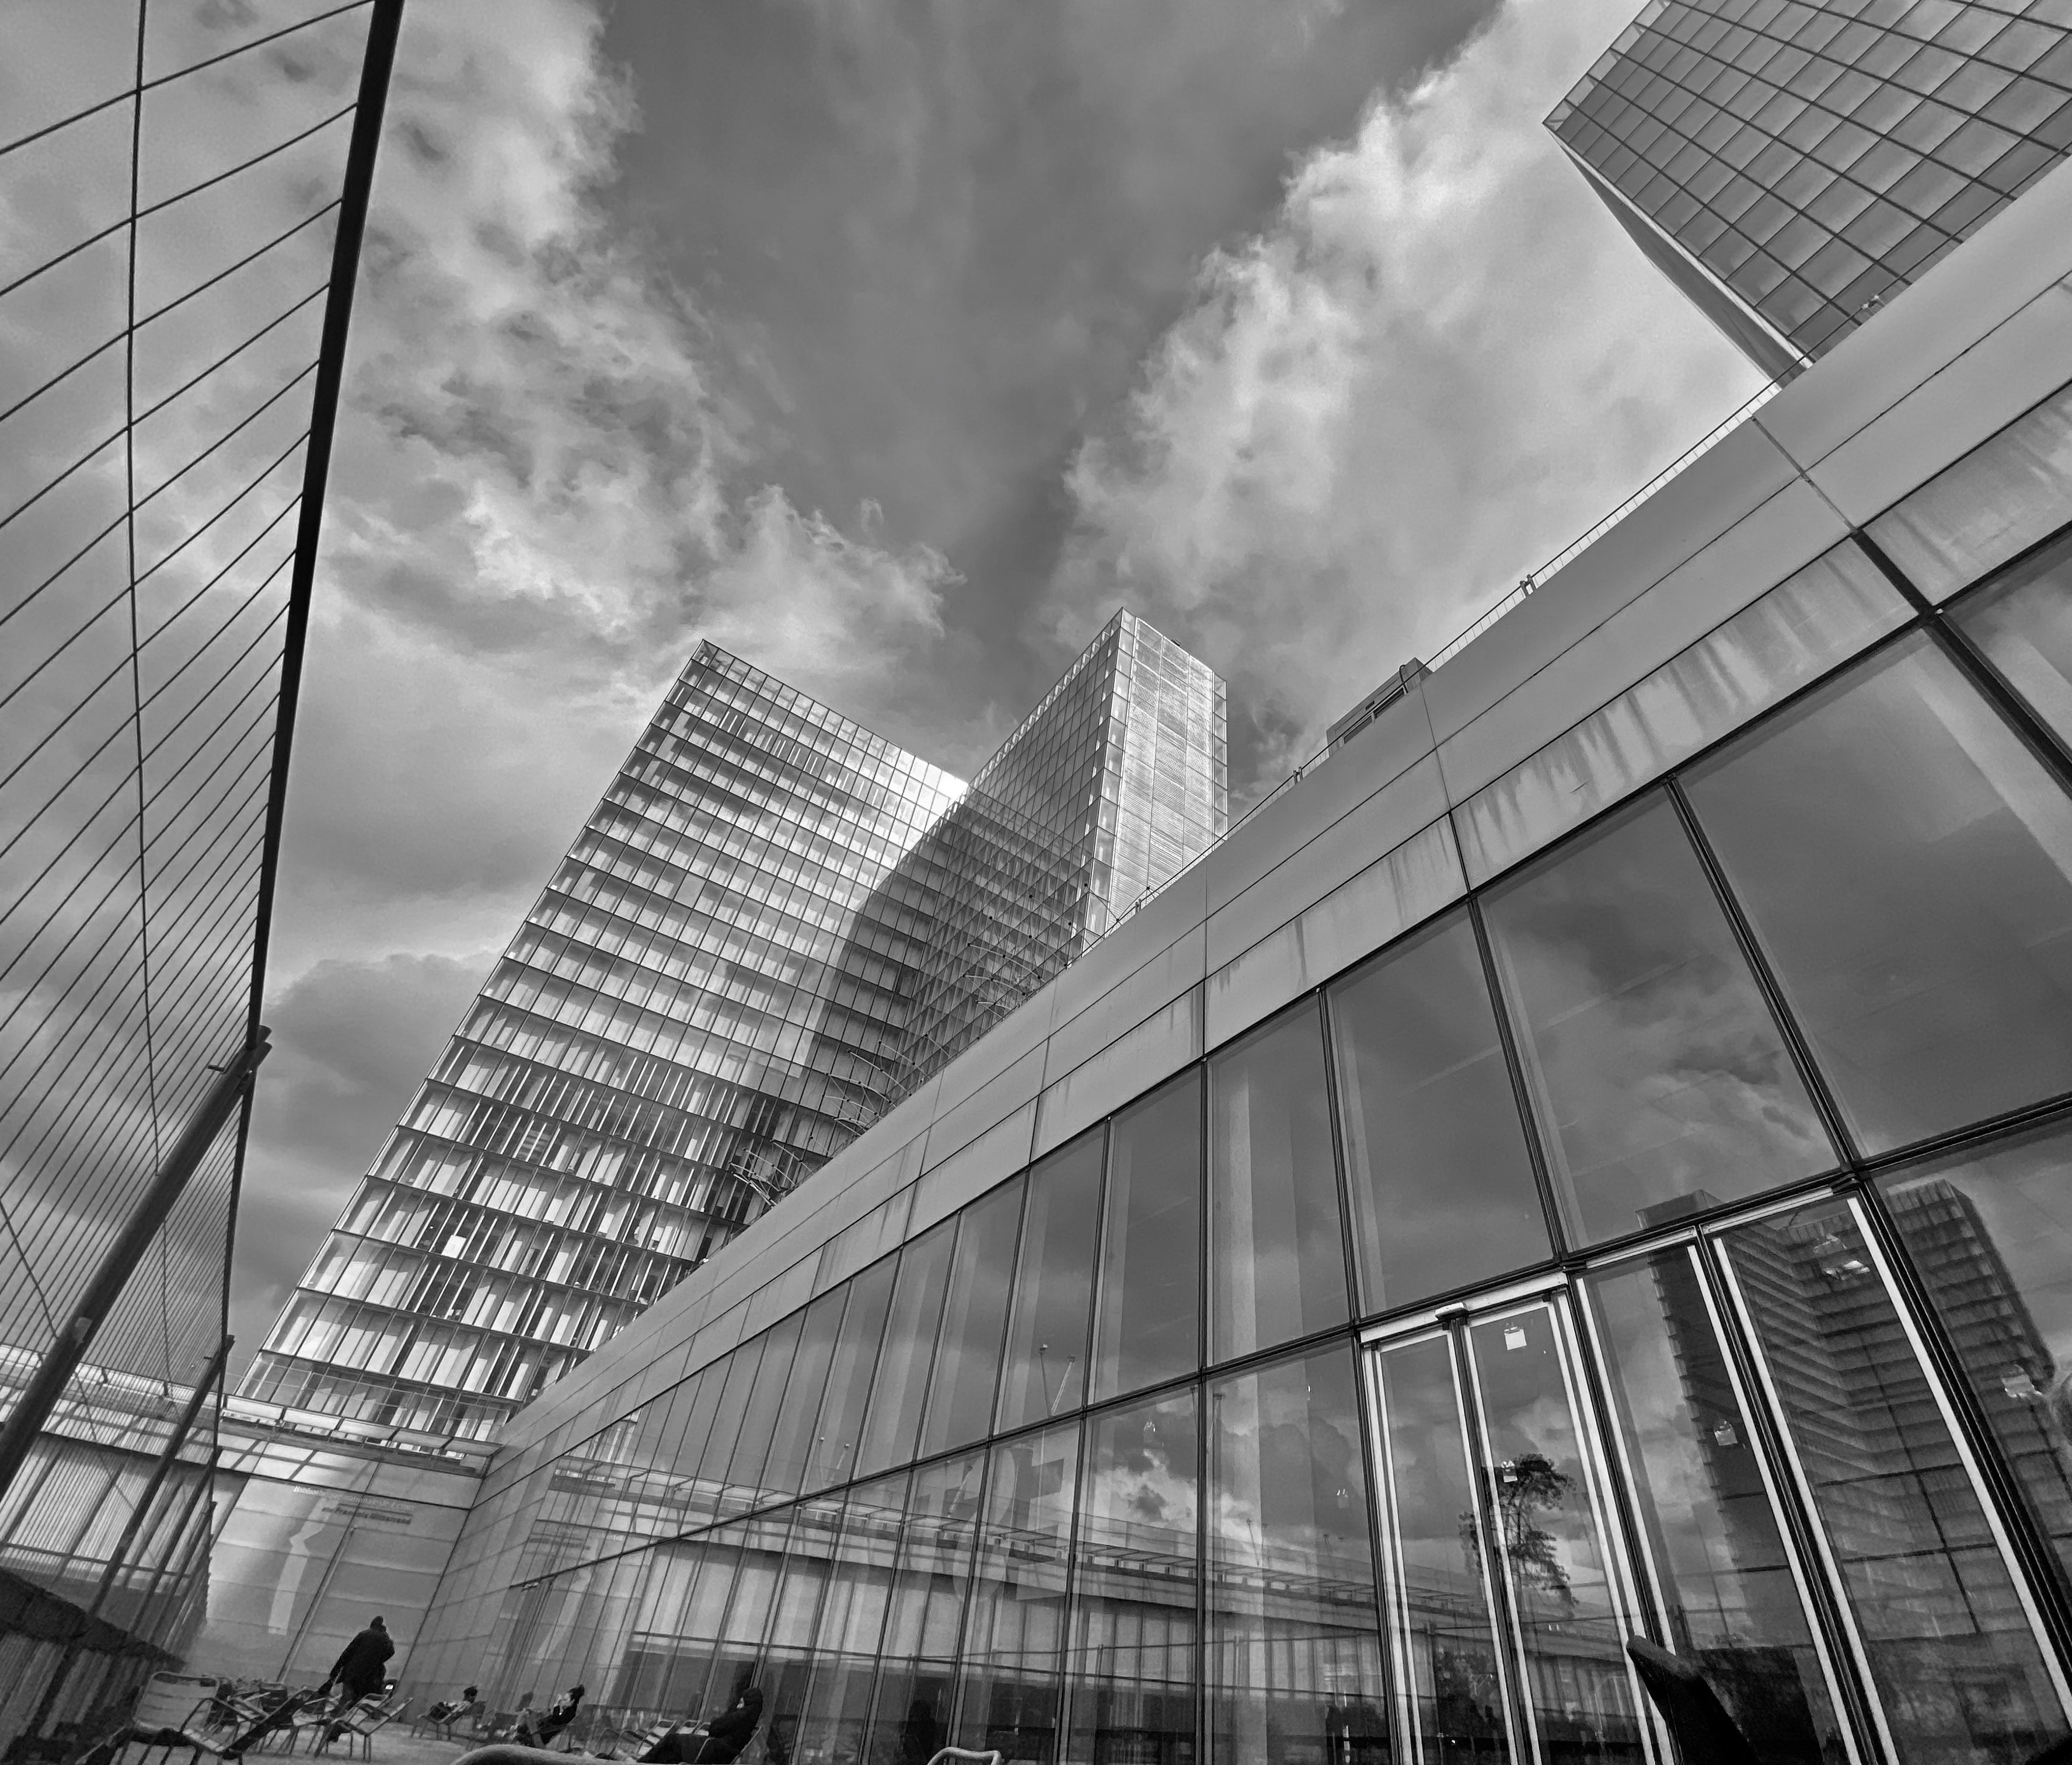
[[265, 472], [101, 1086], [127, 432], [252, 256], [227, 435], [164, 202], [129, 93], [108, 343], [201, 746], [165, 624], [94, 692], [225, 628], [272, 325], [82, 1022], [202, 824], [212, 695], [220, 877], [224, 679]]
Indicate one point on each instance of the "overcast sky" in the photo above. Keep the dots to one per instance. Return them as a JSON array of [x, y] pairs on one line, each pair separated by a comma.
[[891, 345]]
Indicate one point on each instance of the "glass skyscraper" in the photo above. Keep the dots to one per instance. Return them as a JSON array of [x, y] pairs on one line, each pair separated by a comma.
[[1791, 164], [774, 925]]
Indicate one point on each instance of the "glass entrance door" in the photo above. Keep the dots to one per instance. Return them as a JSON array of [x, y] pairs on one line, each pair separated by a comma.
[[1508, 1595]]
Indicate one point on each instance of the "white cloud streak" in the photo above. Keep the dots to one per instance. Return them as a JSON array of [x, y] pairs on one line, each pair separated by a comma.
[[1440, 362]]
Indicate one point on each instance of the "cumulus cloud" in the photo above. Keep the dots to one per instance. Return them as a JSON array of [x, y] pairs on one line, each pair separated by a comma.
[[1440, 362], [546, 487]]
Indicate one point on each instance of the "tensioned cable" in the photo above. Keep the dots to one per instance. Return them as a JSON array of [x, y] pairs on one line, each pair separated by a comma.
[[177, 73], [179, 196], [108, 343], [265, 472], [94, 691], [136, 661]]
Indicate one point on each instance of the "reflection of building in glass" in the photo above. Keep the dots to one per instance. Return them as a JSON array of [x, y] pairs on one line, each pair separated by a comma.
[[817, 1462], [774, 925], [1791, 167], [1114, 783]]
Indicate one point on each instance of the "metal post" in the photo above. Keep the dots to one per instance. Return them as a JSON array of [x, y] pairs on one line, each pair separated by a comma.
[[40, 1396], [181, 1430], [204, 1484]]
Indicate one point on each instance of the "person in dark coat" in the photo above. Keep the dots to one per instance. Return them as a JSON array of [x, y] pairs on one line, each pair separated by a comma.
[[721, 1741], [536, 1731], [357, 1671]]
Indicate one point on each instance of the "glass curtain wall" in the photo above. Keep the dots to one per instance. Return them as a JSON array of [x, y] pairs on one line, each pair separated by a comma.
[[1672, 1241]]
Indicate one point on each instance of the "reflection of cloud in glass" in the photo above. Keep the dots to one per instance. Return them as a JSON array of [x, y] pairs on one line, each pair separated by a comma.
[[1658, 1069]]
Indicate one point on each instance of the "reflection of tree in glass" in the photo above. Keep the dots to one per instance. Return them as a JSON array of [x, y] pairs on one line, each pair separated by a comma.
[[1526, 1486]]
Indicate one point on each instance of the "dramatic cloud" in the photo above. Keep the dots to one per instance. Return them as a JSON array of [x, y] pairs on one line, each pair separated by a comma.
[[543, 494], [1439, 362]]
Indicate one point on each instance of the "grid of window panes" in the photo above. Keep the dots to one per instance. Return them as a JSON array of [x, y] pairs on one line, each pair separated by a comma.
[[1126, 754], [1167, 801], [1008, 911], [1816, 158], [704, 1006], [1747, 1104], [1115, 783]]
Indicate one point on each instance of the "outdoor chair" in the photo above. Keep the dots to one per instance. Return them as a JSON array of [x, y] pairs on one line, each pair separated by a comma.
[[359, 1725]]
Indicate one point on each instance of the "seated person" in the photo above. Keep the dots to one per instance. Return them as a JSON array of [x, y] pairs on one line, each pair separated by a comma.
[[536, 1729], [718, 1742], [449, 1714]]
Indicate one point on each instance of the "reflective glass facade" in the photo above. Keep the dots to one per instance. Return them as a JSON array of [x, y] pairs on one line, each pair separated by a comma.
[[1666, 1230], [1117, 781], [1793, 163], [774, 925], [704, 1001]]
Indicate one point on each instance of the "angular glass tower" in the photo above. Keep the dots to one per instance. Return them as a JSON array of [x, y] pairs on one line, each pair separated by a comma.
[[1790, 164], [774, 925], [1114, 782]]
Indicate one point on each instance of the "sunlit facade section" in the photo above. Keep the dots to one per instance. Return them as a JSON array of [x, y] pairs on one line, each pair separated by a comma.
[[1114, 785], [1587, 1174], [703, 1007]]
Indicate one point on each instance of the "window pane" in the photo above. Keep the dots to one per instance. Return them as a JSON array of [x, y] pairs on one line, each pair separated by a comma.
[[1439, 1600], [1907, 863], [1441, 1184], [910, 1717], [739, 1368], [792, 1438], [1932, 1595], [1730, 1599], [1277, 1247], [811, 1557], [739, 1652], [1131, 1664], [759, 1421], [698, 1486], [1997, 500], [1293, 1656], [1802, 628], [960, 1391], [1148, 1327], [1046, 1370], [1658, 1076], [1009, 1697], [832, 1459], [669, 1652], [910, 1346], [1992, 1239], [2025, 626], [850, 1626]]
